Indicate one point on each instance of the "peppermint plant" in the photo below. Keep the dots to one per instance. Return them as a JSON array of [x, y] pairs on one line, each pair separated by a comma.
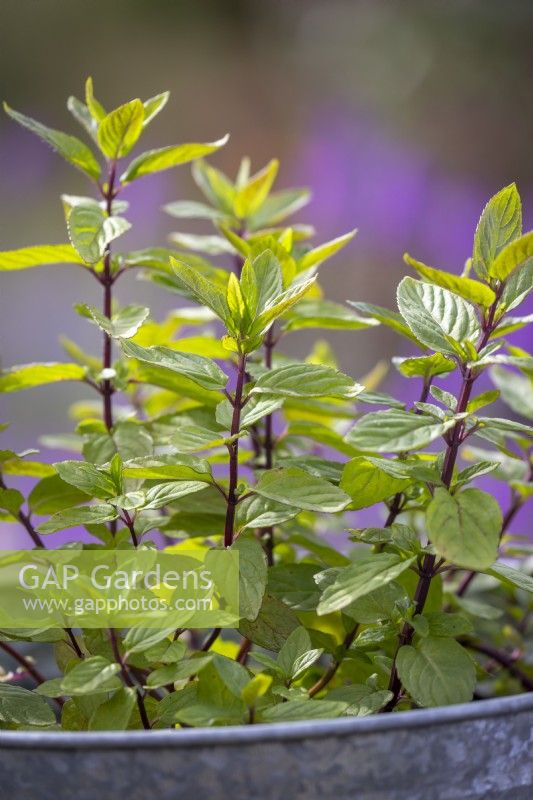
[[203, 434]]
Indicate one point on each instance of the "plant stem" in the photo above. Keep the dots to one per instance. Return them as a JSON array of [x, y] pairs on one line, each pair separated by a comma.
[[267, 534], [233, 448], [107, 282], [428, 570], [506, 660], [127, 679], [25, 520], [331, 671]]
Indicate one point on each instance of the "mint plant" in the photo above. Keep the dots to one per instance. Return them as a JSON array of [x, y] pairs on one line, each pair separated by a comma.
[[205, 435]]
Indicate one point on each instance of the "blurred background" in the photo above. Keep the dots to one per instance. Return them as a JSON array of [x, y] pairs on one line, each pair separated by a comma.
[[402, 117]]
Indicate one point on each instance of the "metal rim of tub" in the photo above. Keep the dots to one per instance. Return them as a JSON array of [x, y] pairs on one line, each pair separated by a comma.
[[251, 734]]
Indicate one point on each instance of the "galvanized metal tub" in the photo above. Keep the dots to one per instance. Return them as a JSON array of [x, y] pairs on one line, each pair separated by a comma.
[[480, 750]]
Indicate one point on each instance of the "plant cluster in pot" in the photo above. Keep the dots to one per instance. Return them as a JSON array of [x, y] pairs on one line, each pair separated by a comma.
[[202, 437]]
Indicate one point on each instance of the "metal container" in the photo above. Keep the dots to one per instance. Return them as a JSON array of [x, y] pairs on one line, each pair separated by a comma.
[[480, 750]]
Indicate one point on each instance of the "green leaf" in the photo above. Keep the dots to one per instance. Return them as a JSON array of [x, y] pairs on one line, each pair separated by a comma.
[[139, 639], [91, 230], [11, 500], [203, 371], [187, 209], [94, 674], [252, 576], [313, 258], [87, 478], [72, 517], [297, 654], [294, 710], [167, 157], [389, 318], [69, 147], [513, 256], [499, 224], [325, 314], [510, 576], [168, 468], [171, 673], [381, 604], [201, 289], [153, 106], [114, 714], [471, 290], [95, 108], [436, 316], [52, 494], [437, 672], [123, 324], [27, 376], [258, 512], [395, 431], [278, 206], [282, 304], [306, 380], [465, 528], [295, 487], [273, 625], [368, 573], [294, 585], [362, 699], [424, 366], [252, 195], [38, 256], [367, 484], [119, 130], [19, 706], [517, 287]]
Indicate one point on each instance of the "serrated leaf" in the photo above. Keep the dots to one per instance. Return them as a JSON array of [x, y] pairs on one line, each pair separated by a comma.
[[465, 528], [28, 376], [360, 578], [38, 256], [424, 366], [203, 371], [94, 674], [516, 390], [153, 106], [69, 147], [72, 517], [362, 699], [278, 206], [295, 487], [386, 317], [471, 290], [19, 706], [325, 314], [306, 380], [251, 196], [167, 157], [294, 710], [168, 468], [437, 672], [87, 478], [252, 576], [499, 224], [52, 494], [273, 625], [367, 484], [139, 639], [201, 289], [313, 258], [511, 576], [513, 256], [437, 316], [114, 714], [395, 431], [91, 230], [123, 324], [294, 585], [119, 130]]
